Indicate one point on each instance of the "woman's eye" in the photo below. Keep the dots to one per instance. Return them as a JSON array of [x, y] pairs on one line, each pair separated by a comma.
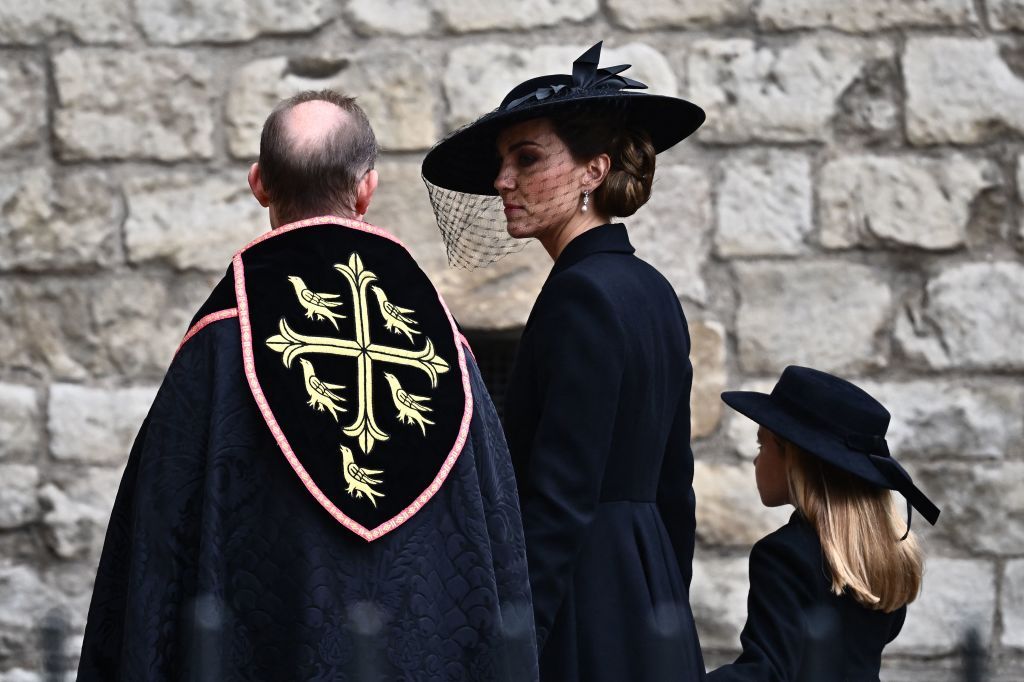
[[527, 160]]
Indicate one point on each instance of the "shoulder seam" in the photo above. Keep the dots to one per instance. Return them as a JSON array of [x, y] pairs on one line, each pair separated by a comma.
[[205, 321]]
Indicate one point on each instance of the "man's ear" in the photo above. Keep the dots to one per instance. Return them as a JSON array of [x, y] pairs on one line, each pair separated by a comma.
[[364, 192], [256, 185]]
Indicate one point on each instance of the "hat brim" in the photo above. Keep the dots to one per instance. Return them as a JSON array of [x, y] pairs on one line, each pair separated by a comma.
[[466, 161], [760, 408]]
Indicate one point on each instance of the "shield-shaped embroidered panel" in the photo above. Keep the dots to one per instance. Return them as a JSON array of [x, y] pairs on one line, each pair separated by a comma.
[[355, 364]]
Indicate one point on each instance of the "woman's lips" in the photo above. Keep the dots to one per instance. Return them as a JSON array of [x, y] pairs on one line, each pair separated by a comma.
[[512, 208]]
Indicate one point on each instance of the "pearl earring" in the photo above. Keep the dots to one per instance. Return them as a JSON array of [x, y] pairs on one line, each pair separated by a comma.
[[586, 200]]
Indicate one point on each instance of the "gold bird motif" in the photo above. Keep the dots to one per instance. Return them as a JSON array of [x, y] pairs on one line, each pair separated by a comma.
[[396, 319], [318, 306], [410, 407], [321, 393], [359, 479]]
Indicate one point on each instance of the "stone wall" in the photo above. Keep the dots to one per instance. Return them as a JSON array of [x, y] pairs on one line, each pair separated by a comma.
[[854, 202]]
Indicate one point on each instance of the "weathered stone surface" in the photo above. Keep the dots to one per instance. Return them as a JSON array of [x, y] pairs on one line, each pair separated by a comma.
[[223, 21], [764, 204], [29, 23], [96, 425], [487, 15], [65, 221], [1020, 188], [729, 510], [1013, 604], [867, 15], [659, 14], [742, 432], [981, 506], [718, 597], [22, 101], [73, 328], [148, 104], [952, 418], [478, 76], [672, 231], [786, 94], [499, 296], [395, 88], [76, 511], [949, 84], [19, 422], [957, 594], [900, 201], [391, 17], [19, 504], [1006, 14], [25, 597], [707, 354], [191, 222], [969, 314], [823, 314]]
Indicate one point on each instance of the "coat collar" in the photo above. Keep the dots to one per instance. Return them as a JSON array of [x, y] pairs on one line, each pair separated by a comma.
[[610, 238]]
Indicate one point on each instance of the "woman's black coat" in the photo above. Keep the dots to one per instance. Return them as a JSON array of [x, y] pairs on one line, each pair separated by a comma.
[[796, 629], [598, 422]]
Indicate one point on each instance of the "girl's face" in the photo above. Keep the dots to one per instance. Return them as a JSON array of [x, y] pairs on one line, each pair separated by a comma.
[[770, 469], [538, 180]]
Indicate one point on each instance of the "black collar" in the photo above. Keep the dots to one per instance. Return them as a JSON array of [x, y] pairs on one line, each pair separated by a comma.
[[610, 238]]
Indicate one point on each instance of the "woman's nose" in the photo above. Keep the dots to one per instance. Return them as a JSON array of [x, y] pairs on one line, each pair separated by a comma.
[[504, 180]]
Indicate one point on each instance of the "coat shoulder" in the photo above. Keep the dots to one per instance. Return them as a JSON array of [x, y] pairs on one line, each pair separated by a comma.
[[793, 548]]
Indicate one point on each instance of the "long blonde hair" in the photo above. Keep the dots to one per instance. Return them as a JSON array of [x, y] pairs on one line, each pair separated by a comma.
[[860, 527]]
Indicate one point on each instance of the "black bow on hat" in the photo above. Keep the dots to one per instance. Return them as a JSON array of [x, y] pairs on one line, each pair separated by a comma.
[[836, 421]]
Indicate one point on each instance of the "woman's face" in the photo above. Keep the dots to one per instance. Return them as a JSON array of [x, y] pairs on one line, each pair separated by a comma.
[[770, 469], [538, 180]]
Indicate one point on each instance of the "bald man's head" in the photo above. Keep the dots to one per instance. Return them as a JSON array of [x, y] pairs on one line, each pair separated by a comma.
[[314, 150]]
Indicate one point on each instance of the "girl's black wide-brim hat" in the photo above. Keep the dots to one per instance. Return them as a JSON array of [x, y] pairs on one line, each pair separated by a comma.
[[466, 160], [836, 421]]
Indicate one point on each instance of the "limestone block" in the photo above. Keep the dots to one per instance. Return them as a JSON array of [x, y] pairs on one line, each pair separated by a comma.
[[672, 231], [478, 76], [949, 84], [823, 314], [867, 15], [900, 201], [489, 15], [146, 104], [660, 14], [1006, 14], [223, 21], [951, 418], [96, 425], [982, 506], [191, 222], [764, 204], [18, 504], [967, 317], [67, 220], [1020, 188], [98, 21], [22, 101], [19, 422], [26, 598], [707, 354], [718, 597], [957, 594], [76, 511], [784, 94], [125, 324], [741, 431], [391, 17], [729, 510], [1013, 604], [395, 88]]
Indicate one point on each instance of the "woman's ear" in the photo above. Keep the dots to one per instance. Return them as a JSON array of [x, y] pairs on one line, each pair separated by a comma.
[[596, 171]]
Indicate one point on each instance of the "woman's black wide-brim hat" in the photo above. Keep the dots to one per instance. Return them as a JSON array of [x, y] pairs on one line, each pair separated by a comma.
[[836, 421], [466, 160]]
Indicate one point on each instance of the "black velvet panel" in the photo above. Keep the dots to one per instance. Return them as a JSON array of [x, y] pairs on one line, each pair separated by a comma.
[[411, 455]]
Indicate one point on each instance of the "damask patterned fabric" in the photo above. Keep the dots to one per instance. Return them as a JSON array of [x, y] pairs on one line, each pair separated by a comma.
[[219, 565]]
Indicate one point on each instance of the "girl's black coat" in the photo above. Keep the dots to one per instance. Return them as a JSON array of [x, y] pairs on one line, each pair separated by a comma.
[[796, 628], [598, 423]]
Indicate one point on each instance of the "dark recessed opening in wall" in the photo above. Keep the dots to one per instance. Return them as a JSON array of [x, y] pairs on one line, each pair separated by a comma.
[[495, 352]]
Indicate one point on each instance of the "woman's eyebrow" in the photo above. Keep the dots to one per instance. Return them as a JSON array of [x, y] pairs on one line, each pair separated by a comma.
[[523, 143]]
